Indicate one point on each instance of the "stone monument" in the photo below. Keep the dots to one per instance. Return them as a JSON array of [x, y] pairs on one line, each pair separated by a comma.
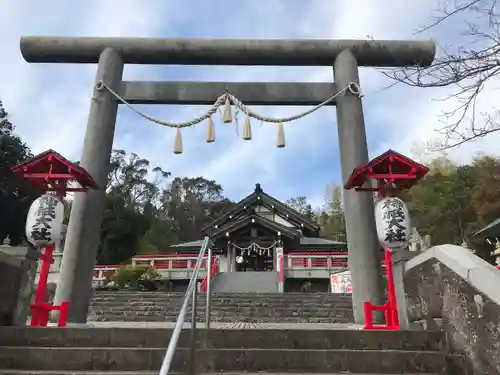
[[18, 266]]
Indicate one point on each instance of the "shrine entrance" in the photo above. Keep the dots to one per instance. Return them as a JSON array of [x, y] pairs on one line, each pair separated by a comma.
[[111, 54], [255, 261]]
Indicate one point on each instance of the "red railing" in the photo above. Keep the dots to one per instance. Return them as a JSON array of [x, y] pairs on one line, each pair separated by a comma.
[[213, 272], [325, 260], [173, 262], [186, 262]]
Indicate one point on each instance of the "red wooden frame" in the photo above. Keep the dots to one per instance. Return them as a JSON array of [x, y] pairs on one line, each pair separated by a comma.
[[390, 308], [51, 172], [392, 172]]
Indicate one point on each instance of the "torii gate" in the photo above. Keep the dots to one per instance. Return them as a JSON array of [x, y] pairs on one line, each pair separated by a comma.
[[112, 53]]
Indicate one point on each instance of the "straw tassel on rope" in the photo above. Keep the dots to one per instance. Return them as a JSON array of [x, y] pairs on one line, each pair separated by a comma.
[[247, 129], [227, 115], [280, 142], [178, 142], [210, 131]]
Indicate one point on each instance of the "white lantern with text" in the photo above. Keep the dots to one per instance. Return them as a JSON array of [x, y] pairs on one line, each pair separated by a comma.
[[45, 220], [393, 223]]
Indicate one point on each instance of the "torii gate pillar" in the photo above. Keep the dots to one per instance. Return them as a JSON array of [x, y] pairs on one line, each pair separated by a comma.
[[111, 53], [361, 231], [84, 228]]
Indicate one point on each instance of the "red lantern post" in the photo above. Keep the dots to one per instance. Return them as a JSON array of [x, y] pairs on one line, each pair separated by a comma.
[[392, 172], [51, 173]]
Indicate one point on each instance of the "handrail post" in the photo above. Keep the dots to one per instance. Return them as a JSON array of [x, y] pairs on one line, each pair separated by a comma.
[[172, 345], [209, 289], [192, 354]]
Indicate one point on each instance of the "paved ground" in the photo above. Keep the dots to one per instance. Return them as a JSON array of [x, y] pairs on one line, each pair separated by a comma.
[[238, 325]]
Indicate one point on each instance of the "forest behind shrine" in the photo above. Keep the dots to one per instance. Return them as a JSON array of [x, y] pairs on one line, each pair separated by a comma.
[[148, 209]]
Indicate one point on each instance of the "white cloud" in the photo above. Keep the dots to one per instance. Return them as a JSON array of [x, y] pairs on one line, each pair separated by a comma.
[[49, 103]]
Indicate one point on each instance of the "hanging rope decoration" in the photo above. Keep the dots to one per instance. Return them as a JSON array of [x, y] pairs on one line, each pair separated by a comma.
[[253, 247], [226, 101]]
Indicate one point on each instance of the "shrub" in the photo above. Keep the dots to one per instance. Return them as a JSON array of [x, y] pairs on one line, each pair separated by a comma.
[[128, 276]]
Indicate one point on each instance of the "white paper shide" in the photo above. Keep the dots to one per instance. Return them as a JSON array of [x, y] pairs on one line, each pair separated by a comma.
[[393, 223], [279, 256], [45, 220]]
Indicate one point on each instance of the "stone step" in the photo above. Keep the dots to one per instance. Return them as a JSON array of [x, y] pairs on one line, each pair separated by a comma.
[[248, 303], [227, 297], [298, 295], [24, 372], [223, 338], [228, 309], [152, 316], [215, 360], [156, 318], [225, 302], [222, 300], [217, 307]]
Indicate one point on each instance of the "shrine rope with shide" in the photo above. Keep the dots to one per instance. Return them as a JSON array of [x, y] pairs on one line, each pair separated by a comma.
[[227, 100]]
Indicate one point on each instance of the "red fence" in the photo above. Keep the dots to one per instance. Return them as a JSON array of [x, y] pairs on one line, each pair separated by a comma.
[[313, 261], [186, 262]]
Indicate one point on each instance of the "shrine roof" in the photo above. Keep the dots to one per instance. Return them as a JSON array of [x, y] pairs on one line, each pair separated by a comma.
[[307, 241], [490, 230], [389, 162], [259, 197], [254, 220], [196, 243], [52, 161], [319, 241]]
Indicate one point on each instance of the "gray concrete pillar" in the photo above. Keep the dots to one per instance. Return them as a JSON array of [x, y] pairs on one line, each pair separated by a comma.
[[399, 259], [362, 240], [82, 238]]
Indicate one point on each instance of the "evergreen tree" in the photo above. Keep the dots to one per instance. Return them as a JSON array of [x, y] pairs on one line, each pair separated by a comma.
[[15, 196]]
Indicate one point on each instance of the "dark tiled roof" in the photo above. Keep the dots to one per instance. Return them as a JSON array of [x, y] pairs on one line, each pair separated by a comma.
[[197, 243], [318, 241], [488, 228]]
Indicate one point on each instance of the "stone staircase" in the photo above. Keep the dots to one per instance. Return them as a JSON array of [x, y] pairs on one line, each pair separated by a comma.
[[139, 351], [137, 306]]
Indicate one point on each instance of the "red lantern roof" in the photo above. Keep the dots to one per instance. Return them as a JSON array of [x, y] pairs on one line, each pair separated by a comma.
[[50, 171], [392, 167]]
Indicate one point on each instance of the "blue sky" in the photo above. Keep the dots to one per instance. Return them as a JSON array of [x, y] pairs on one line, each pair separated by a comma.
[[49, 103]]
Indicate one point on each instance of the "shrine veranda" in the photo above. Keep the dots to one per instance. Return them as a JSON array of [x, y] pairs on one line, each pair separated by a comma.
[[111, 54]]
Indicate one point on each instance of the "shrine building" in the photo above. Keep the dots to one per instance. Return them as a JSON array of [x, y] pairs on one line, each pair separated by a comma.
[[261, 245]]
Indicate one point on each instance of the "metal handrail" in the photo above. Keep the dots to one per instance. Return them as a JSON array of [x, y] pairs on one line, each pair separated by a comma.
[[190, 292]]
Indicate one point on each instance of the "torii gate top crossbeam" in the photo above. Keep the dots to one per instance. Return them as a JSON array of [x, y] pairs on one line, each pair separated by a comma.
[[277, 52]]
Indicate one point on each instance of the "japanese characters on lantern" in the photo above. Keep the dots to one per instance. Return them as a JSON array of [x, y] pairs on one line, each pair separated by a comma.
[[393, 223], [45, 220]]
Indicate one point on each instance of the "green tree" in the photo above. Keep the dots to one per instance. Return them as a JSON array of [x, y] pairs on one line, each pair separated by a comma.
[[160, 235], [302, 206], [453, 202], [131, 211], [192, 203], [16, 196], [331, 216]]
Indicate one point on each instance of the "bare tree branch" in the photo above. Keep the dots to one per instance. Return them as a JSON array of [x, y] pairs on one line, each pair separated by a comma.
[[467, 68]]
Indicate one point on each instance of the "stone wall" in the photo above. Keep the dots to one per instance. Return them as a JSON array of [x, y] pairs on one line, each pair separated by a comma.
[[451, 289], [9, 285], [17, 274]]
